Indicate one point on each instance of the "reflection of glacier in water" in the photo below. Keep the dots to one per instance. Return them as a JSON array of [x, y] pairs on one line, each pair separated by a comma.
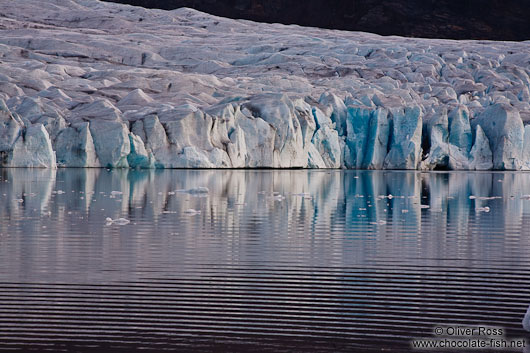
[[341, 255]]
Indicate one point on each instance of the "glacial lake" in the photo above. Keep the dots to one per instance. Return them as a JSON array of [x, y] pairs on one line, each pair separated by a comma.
[[266, 260]]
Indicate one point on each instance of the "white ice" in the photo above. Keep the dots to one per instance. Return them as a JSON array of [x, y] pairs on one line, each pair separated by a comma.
[[85, 83]]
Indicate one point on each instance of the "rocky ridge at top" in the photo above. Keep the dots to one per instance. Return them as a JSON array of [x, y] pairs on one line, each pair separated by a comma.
[[450, 19]]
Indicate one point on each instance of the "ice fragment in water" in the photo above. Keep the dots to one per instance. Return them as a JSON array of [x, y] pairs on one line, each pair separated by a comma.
[[118, 221]]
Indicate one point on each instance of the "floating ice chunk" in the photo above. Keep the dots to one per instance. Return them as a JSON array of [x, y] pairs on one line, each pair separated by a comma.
[[201, 190], [118, 221], [277, 197], [482, 209], [382, 197]]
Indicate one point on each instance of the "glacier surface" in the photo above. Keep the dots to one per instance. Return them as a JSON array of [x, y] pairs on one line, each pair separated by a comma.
[[85, 83]]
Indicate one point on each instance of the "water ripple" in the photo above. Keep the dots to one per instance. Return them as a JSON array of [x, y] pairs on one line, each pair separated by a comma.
[[343, 261]]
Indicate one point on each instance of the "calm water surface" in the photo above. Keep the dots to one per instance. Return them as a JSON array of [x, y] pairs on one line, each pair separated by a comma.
[[277, 261]]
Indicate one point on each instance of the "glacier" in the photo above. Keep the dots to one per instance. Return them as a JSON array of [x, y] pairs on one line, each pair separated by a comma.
[[84, 83]]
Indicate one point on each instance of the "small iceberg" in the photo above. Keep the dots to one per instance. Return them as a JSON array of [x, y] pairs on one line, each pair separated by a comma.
[[114, 194], [192, 212], [482, 209], [201, 190], [472, 197], [118, 221], [277, 197]]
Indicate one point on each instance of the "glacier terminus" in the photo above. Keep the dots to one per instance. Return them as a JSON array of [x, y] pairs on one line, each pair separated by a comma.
[[85, 83]]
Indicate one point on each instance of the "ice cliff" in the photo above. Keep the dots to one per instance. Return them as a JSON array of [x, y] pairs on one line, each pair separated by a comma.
[[90, 84]]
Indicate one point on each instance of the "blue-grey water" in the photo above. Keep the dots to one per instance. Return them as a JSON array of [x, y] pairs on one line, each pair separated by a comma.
[[267, 260]]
